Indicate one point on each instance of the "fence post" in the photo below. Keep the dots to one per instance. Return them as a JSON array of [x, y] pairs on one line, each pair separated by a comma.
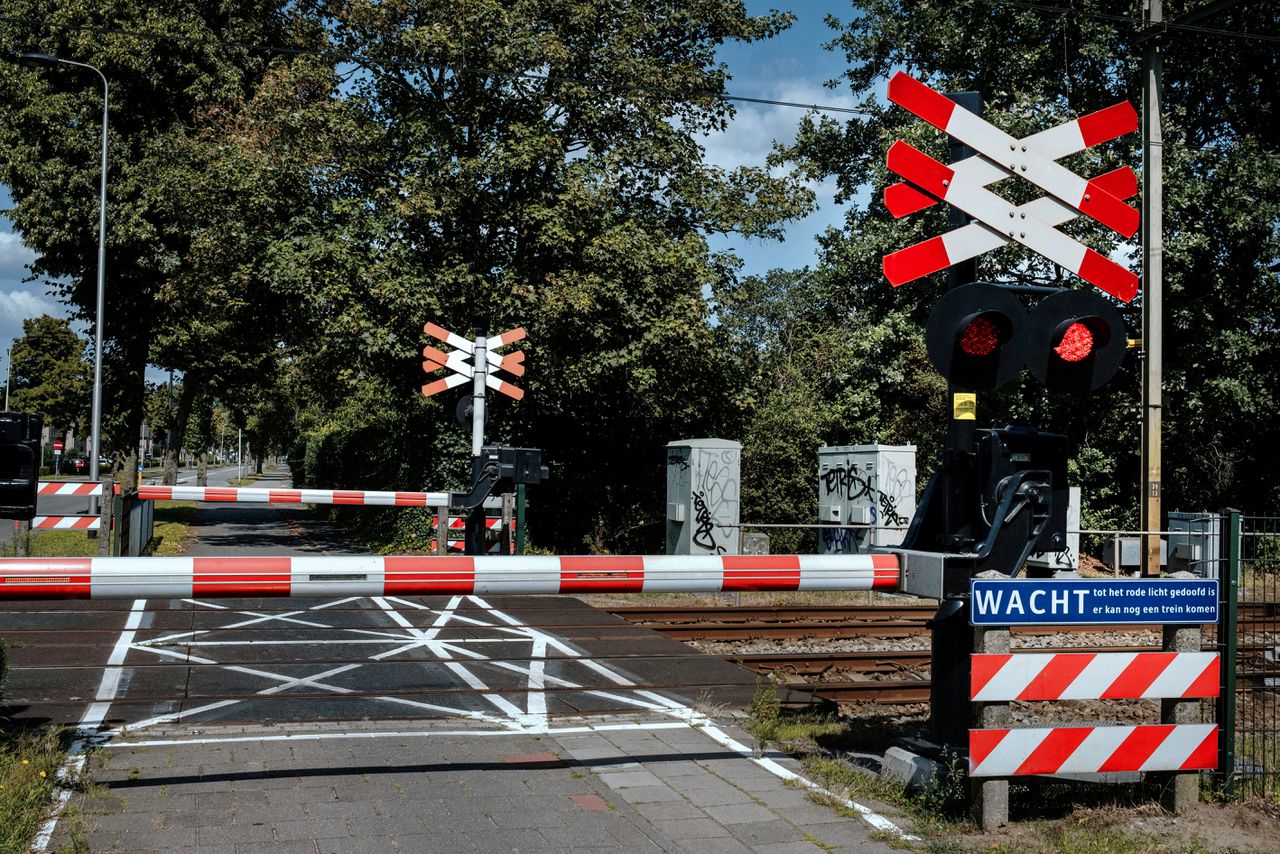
[[106, 506], [442, 529], [519, 518], [1228, 620], [989, 797], [508, 522], [117, 514]]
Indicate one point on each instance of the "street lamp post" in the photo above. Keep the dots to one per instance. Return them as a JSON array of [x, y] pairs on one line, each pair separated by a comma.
[[8, 370], [96, 429]]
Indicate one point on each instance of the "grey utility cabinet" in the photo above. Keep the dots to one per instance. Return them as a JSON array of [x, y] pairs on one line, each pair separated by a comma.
[[871, 485], [703, 494]]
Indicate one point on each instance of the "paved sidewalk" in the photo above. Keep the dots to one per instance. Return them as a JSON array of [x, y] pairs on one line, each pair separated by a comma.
[[607, 784]]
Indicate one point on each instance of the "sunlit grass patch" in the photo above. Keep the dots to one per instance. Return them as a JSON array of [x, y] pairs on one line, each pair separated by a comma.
[[28, 765]]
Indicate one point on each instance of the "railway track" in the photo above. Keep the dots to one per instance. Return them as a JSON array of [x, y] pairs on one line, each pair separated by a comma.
[[810, 675]]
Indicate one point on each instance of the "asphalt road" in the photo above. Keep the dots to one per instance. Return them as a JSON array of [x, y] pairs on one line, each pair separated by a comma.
[[504, 661]]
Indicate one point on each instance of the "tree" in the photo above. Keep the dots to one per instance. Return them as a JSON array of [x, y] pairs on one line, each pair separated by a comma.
[[171, 70], [531, 164], [1038, 65], [51, 374]]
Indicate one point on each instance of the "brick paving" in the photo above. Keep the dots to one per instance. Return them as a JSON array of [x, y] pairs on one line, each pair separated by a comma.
[[434, 787]]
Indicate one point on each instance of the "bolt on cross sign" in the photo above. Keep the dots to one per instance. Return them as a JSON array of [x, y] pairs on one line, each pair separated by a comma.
[[998, 221], [459, 360]]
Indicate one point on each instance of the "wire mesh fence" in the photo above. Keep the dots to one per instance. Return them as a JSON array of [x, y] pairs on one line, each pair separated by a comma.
[[1249, 636]]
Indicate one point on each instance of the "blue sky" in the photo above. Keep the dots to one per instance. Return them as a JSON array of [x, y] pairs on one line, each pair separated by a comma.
[[791, 67]]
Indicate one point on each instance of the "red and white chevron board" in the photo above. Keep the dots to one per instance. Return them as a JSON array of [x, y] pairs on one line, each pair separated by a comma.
[[1092, 750], [1055, 143], [972, 240], [295, 496], [69, 487], [457, 523], [461, 546], [1007, 219], [1023, 159], [182, 577], [78, 523], [1093, 676]]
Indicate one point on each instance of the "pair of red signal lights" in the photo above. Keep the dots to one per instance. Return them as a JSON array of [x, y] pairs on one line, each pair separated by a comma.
[[980, 336]]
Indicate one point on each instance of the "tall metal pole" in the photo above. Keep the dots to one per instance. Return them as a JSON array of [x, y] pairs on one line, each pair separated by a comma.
[[475, 518], [8, 371], [1152, 290], [96, 428], [481, 362]]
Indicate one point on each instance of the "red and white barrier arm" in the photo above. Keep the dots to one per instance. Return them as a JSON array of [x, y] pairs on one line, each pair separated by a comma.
[[299, 496], [1093, 676], [183, 577], [1092, 750], [77, 523], [69, 487]]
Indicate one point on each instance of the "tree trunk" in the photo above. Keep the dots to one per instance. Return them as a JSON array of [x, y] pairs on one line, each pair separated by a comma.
[[202, 468], [179, 429]]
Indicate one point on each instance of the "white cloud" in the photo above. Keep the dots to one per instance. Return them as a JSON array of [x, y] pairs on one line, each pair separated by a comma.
[[756, 127], [14, 257], [19, 305]]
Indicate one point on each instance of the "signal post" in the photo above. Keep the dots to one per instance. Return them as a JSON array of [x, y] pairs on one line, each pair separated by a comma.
[[1000, 494]]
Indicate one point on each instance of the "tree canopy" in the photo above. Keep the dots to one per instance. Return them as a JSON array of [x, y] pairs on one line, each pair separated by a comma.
[[52, 374]]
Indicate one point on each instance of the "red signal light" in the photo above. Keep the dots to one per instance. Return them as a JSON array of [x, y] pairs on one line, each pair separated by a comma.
[[1076, 344], [980, 337]]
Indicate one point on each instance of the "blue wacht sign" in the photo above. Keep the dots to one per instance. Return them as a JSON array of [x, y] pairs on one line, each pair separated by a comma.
[[1082, 601]]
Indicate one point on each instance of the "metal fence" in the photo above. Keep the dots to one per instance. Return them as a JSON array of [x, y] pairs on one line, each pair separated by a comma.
[[1248, 639]]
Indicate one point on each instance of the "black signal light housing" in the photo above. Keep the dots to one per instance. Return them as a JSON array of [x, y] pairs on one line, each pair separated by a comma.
[[1075, 341], [974, 336]]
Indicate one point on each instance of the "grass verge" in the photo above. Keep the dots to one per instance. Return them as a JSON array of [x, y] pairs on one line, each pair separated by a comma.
[[28, 764], [172, 526]]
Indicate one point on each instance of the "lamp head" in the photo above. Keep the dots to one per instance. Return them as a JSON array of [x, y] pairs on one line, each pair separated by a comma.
[[32, 58]]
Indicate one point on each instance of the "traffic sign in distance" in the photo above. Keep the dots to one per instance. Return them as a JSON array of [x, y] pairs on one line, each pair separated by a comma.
[[1000, 155], [460, 360]]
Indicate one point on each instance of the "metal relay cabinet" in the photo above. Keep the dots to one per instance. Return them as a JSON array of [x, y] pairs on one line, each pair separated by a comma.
[[703, 494], [865, 485], [1067, 560]]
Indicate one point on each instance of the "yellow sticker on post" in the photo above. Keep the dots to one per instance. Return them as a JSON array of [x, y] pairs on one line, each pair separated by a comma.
[[964, 406]]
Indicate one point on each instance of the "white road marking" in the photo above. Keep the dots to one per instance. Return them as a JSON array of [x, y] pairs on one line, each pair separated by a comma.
[[87, 730], [454, 654]]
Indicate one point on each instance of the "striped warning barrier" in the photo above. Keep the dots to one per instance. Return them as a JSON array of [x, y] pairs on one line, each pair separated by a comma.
[[361, 497], [457, 523], [1093, 676], [69, 487], [461, 546], [1092, 750], [79, 523], [173, 578]]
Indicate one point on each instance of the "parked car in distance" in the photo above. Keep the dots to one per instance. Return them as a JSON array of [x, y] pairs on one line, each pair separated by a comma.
[[79, 465]]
